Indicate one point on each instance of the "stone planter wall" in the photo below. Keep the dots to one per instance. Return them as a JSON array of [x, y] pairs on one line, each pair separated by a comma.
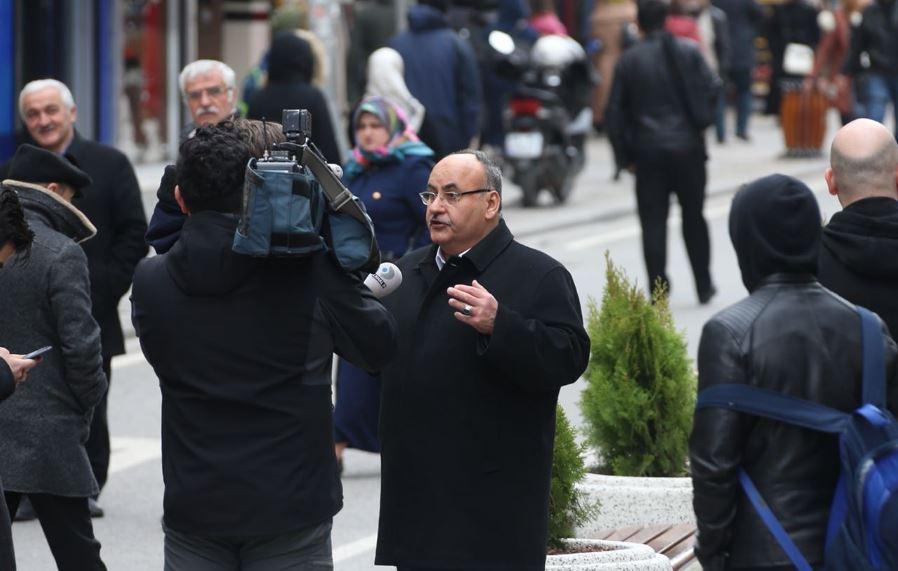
[[615, 555], [627, 501]]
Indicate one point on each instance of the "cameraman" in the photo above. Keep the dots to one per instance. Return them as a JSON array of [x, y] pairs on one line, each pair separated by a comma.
[[242, 347]]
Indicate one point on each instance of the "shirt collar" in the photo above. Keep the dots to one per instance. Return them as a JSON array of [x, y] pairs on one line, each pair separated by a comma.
[[441, 261]]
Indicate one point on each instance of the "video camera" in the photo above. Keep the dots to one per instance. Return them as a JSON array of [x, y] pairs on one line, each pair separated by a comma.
[[294, 204]]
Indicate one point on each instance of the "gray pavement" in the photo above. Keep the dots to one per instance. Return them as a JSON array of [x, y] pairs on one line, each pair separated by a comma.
[[598, 217]]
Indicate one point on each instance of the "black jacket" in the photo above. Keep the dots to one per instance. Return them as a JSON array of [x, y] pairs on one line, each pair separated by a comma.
[[859, 258], [114, 206], [743, 18], [792, 336], [467, 421], [289, 86], [242, 347], [877, 36], [646, 112]]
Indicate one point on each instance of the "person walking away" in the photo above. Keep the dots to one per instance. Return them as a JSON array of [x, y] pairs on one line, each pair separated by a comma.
[[442, 73], [743, 19], [831, 56], [661, 101], [387, 169]]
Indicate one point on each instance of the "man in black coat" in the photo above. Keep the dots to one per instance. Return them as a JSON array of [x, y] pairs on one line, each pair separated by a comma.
[[242, 347], [113, 205], [489, 330], [859, 257], [790, 335], [654, 132]]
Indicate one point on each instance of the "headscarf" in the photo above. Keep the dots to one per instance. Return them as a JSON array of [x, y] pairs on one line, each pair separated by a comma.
[[776, 227], [403, 141], [386, 78]]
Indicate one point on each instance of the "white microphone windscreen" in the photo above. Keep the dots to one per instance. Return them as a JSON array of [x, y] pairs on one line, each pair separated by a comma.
[[385, 280]]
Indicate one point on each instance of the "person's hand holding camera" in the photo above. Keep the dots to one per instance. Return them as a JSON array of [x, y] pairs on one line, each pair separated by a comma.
[[17, 364]]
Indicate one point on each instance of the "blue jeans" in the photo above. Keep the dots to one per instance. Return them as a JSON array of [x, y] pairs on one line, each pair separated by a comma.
[[876, 92]]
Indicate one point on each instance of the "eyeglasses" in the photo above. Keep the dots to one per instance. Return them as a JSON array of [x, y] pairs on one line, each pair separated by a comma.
[[429, 198], [212, 92]]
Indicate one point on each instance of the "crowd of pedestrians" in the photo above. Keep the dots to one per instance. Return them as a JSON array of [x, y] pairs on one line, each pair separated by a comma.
[[454, 378]]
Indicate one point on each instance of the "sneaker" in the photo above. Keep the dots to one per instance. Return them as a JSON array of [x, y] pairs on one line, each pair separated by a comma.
[[26, 510], [95, 509]]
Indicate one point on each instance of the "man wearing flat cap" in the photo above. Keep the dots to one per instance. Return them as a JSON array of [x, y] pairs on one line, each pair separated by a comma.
[[113, 204], [46, 301]]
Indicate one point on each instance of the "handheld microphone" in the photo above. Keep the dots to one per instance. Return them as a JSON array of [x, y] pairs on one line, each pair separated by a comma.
[[386, 279]]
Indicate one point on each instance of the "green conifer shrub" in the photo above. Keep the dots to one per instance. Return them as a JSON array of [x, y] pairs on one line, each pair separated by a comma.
[[640, 392], [568, 507]]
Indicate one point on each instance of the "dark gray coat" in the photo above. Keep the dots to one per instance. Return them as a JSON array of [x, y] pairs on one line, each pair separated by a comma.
[[46, 301]]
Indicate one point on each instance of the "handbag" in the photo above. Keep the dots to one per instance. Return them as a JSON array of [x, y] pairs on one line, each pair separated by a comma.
[[798, 59]]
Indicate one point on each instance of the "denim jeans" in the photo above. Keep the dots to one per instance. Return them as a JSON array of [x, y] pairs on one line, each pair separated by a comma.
[[876, 91], [741, 80]]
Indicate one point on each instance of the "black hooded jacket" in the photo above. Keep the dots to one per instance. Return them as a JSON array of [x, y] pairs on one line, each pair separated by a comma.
[[242, 347], [859, 258], [876, 36], [290, 64], [790, 335]]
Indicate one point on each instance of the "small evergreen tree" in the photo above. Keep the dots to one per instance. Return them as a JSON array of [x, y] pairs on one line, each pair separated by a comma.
[[567, 506], [640, 391]]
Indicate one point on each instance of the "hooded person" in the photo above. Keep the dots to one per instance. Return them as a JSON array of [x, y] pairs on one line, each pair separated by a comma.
[[44, 425], [386, 79], [387, 169], [291, 67], [859, 257], [441, 71], [790, 335]]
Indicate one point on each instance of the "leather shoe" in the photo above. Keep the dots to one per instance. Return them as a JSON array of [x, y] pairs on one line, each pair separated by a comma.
[[95, 509]]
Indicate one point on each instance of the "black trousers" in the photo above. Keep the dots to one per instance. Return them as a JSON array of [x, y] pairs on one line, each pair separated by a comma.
[[658, 174], [97, 444], [68, 529]]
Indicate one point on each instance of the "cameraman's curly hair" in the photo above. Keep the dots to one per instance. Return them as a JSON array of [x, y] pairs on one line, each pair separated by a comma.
[[13, 228], [211, 167]]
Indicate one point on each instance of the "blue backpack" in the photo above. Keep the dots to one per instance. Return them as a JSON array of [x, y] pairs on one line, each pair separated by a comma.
[[862, 534]]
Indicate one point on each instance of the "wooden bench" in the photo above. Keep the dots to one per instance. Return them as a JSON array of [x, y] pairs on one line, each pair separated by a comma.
[[674, 541]]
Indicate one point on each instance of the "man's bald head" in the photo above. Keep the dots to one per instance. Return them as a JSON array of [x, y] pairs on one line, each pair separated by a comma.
[[864, 162]]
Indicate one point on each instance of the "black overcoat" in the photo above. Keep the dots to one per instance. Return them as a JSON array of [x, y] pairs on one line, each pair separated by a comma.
[[113, 204], [467, 421]]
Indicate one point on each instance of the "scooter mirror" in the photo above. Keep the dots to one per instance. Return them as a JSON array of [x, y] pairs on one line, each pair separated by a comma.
[[501, 42]]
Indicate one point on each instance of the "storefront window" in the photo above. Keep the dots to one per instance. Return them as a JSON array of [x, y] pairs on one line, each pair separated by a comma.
[[143, 126]]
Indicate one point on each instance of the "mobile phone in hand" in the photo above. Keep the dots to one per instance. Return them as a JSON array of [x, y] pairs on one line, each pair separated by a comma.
[[37, 353]]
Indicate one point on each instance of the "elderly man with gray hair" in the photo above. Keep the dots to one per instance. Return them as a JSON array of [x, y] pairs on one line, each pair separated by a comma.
[[859, 257], [209, 89]]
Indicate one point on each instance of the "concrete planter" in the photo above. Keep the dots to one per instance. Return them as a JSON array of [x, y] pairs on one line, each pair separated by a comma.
[[614, 555], [627, 501]]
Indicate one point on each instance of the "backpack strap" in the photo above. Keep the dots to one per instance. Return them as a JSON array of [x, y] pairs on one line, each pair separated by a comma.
[[874, 359], [773, 524], [773, 405]]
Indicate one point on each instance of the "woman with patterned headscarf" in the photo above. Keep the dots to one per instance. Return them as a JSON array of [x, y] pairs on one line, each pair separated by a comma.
[[388, 167]]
